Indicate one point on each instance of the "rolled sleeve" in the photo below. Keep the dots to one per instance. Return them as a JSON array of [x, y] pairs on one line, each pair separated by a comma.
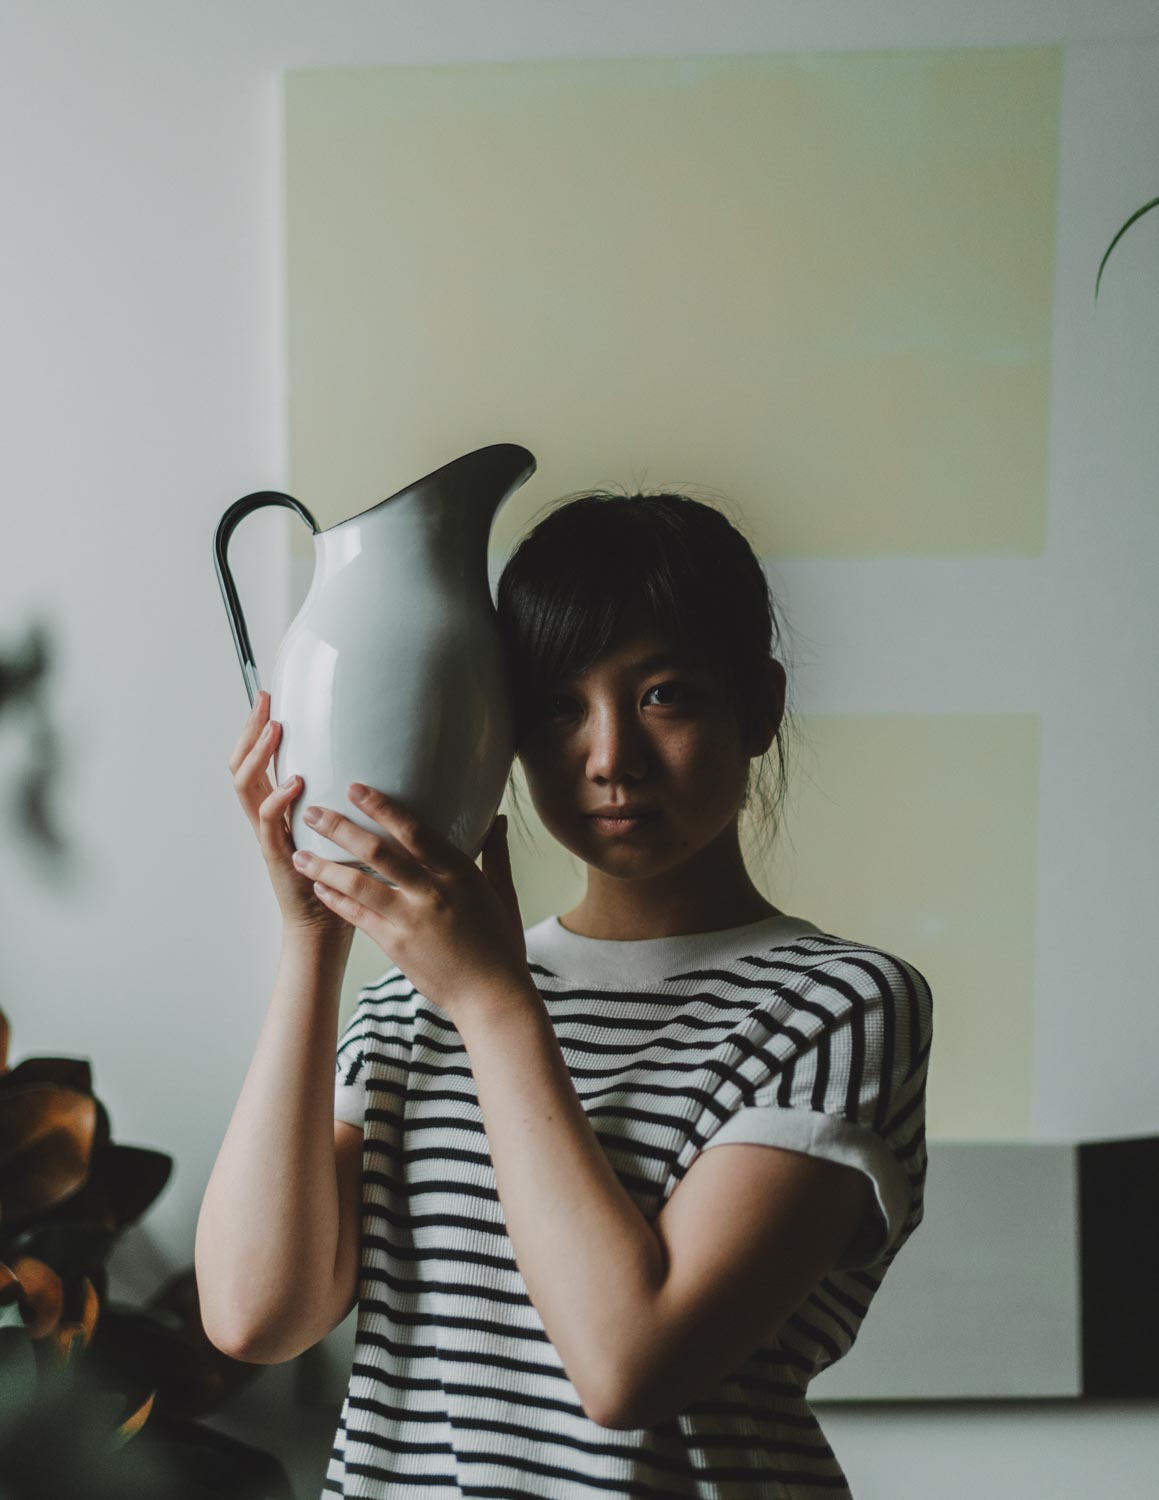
[[350, 1102], [814, 1133]]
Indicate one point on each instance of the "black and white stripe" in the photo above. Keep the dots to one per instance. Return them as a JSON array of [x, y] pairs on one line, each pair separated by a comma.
[[775, 1033]]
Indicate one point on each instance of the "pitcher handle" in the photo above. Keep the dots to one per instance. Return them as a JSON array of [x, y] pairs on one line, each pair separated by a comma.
[[238, 512]]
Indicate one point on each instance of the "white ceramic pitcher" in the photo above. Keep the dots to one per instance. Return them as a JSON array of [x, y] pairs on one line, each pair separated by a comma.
[[393, 673]]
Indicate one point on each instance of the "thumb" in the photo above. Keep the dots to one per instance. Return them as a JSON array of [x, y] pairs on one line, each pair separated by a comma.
[[497, 854], [497, 869], [497, 860], [495, 844]]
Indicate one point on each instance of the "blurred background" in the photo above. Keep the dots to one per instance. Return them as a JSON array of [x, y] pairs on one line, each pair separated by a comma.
[[832, 262]]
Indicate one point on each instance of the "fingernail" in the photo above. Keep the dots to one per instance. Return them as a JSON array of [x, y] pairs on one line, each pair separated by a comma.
[[312, 814]]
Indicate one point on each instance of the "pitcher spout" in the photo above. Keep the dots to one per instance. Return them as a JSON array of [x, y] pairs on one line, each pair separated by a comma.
[[463, 495], [481, 481]]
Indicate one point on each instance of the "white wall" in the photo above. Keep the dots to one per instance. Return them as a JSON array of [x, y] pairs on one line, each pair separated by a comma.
[[142, 390]]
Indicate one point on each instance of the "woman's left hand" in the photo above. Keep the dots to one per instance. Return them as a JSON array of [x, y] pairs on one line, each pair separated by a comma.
[[453, 930]]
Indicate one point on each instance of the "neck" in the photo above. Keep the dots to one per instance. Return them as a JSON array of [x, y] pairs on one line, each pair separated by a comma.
[[709, 893]]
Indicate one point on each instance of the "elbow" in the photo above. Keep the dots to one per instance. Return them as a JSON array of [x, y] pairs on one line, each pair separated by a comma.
[[228, 1330], [224, 1340], [624, 1416], [652, 1395], [626, 1410], [606, 1403], [608, 1417], [233, 1348], [255, 1350], [228, 1339], [224, 1334], [232, 1337], [614, 1422]]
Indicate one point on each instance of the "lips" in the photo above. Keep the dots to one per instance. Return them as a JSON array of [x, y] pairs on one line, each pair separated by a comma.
[[620, 826]]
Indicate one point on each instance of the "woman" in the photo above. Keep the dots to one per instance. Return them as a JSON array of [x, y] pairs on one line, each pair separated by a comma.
[[562, 1290]]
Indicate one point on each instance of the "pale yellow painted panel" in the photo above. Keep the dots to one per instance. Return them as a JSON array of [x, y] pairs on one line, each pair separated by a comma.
[[817, 285], [918, 834]]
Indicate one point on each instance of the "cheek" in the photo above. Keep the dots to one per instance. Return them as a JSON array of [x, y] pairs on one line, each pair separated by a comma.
[[702, 757], [718, 772]]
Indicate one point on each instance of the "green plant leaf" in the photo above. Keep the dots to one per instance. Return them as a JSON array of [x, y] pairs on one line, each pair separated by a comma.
[[1138, 214]]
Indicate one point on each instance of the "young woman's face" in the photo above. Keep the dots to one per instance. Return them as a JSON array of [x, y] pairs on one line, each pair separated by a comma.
[[658, 734]]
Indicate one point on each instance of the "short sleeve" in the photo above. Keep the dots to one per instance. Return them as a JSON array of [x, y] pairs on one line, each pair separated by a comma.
[[350, 1068], [372, 1060], [835, 1067]]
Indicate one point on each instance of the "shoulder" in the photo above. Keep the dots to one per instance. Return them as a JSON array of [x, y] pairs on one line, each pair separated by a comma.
[[826, 984], [869, 973]]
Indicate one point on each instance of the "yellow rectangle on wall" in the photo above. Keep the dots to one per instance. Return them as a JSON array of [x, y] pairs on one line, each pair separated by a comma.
[[818, 285], [918, 833]]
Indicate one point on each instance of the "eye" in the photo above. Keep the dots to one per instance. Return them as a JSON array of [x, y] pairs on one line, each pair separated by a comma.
[[680, 688], [557, 704]]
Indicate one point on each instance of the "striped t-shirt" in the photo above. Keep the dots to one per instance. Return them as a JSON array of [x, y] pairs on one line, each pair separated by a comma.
[[775, 1033]]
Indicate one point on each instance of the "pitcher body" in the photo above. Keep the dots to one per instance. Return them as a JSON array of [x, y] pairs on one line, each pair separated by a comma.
[[393, 671]]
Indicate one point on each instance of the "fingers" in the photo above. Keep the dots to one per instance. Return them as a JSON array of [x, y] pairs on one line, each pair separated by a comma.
[[273, 819], [258, 718], [259, 757], [251, 759]]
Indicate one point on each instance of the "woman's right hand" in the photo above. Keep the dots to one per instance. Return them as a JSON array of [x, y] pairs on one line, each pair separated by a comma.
[[268, 809]]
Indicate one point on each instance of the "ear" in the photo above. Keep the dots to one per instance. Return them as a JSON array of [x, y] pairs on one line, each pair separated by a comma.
[[774, 709]]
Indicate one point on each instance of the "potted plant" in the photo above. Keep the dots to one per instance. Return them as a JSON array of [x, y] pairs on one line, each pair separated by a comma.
[[99, 1398]]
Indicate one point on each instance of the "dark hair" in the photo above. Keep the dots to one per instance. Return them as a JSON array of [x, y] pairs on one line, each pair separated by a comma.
[[598, 555]]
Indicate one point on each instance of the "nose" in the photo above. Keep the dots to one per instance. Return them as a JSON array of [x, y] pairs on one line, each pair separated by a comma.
[[615, 749]]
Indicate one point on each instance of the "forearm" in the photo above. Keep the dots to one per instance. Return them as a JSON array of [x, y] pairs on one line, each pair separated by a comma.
[[267, 1232], [592, 1263]]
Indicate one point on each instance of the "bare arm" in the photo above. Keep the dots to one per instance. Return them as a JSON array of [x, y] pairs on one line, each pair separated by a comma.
[[267, 1249], [276, 1253]]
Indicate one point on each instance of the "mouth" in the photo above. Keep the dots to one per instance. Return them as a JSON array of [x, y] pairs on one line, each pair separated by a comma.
[[614, 825]]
